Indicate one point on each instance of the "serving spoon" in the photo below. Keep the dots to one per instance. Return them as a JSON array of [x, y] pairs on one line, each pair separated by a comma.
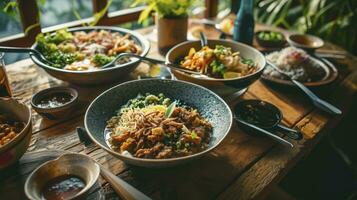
[[25, 50], [203, 39], [155, 61], [122, 188], [319, 103]]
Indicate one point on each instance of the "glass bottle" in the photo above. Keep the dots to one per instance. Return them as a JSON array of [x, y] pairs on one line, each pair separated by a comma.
[[244, 24], [4, 83]]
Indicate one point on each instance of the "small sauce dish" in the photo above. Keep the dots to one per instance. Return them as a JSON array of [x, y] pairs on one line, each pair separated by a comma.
[[70, 176], [55, 103], [307, 42]]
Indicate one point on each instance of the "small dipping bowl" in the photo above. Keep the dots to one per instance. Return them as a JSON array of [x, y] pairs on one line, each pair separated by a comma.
[[270, 43], [307, 42], [69, 165], [263, 115], [55, 103]]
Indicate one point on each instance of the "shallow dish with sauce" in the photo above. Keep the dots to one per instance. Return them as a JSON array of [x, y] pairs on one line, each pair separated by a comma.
[[70, 176], [55, 103]]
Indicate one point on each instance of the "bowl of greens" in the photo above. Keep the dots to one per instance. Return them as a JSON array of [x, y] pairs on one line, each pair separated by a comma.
[[76, 55], [270, 38]]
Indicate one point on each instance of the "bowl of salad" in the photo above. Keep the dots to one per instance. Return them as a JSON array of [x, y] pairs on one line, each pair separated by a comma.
[[230, 66], [76, 55]]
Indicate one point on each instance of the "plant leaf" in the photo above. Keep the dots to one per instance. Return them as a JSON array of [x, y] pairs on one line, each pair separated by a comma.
[[170, 109]]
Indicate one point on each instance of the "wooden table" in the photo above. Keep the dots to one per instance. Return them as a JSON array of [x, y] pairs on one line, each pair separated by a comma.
[[242, 167]]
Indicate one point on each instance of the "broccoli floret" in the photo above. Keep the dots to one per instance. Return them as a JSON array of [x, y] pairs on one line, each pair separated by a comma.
[[101, 59], [61, 59], [218, 67], [60, 36]]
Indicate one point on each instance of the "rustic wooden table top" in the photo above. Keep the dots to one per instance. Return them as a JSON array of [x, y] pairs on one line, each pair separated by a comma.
[[242, 167]]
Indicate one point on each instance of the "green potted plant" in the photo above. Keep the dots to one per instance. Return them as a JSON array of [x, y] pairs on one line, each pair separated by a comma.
[[171, 20]]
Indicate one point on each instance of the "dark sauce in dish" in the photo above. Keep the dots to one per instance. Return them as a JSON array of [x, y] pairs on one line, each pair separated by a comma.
[[259, 114], [55, 100], [62, 187]]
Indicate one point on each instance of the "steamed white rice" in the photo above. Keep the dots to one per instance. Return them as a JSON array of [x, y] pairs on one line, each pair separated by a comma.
[[294, 62]]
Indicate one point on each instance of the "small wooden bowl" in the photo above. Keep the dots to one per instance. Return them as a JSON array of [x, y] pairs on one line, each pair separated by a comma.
[[307, 42], [56, 112]]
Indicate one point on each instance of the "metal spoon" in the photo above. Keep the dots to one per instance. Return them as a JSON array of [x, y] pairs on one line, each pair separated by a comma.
[[25, 50], [271, 135], [155, 61], [203, 39], [122, 188], [319, 103]]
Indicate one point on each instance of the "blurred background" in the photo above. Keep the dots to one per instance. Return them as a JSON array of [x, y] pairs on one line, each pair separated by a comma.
[[331, 166]]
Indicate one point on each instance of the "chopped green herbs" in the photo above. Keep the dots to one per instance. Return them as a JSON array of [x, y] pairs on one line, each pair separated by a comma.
[[101, 59]]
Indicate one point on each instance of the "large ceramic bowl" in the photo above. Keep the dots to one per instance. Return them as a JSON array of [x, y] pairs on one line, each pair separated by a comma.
[[98, 76], [12, 151], [211, 106], [220, 86]]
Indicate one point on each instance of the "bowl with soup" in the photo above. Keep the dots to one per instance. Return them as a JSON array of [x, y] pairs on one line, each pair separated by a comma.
[[76, 55]]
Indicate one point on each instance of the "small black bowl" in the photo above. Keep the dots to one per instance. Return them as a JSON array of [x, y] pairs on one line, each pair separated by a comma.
[[269, 43], [56, 112]]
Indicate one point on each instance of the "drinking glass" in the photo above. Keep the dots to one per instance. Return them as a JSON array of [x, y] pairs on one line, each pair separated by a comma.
[[4, 83]]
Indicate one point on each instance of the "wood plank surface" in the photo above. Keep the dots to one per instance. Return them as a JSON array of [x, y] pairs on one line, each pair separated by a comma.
[[242, 167]]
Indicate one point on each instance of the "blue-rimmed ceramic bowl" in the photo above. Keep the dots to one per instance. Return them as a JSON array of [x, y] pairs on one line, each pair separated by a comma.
[[210, 106]]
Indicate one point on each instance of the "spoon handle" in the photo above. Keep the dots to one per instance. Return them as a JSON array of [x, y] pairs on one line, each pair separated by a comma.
[[271, 135], [291, 133], [203, 39], [15, 49], [123, 189], [155, 61], [319, 103]]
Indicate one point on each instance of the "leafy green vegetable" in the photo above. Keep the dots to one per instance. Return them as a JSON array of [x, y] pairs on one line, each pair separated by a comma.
[[270, 36], [61, 59], [218, 67], [164, 8], [151, 99], [221, 50], [178, 145], [47, 44], [249, 62], [101, 59], [170, 109], [193, 135]]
